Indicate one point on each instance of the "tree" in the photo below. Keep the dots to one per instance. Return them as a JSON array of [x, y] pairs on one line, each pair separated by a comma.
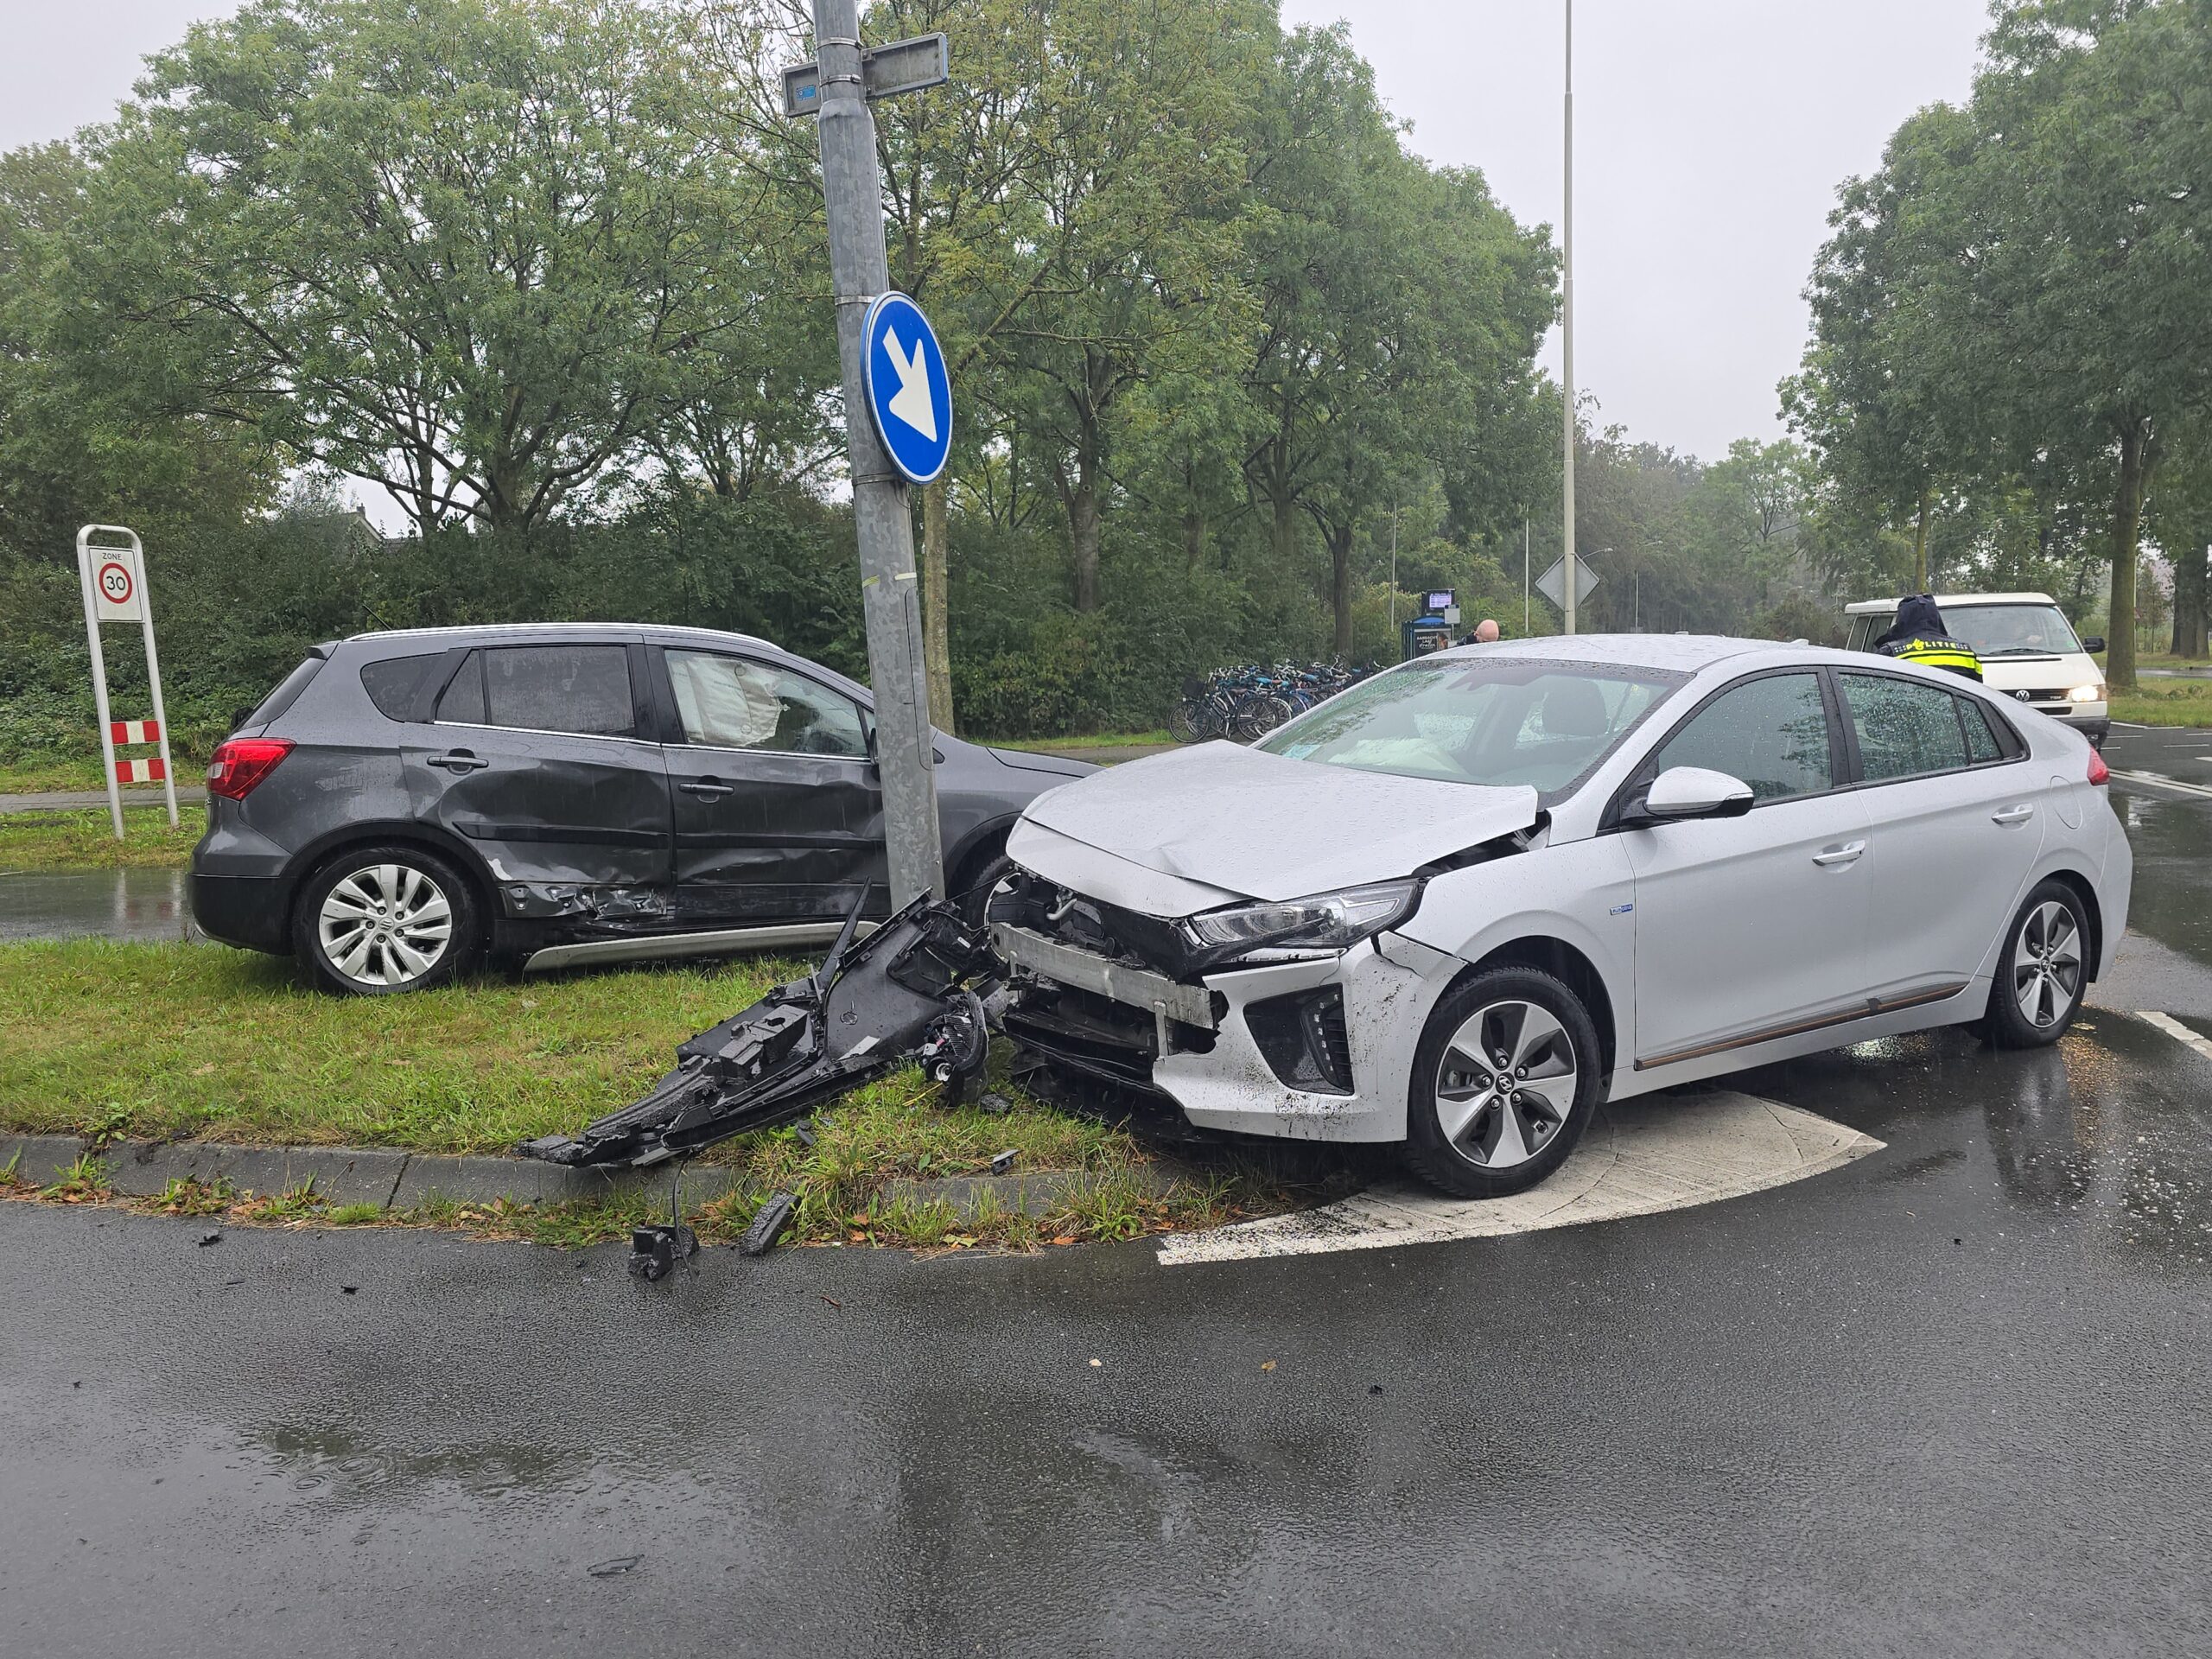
[[1369, 368], [458, 248]]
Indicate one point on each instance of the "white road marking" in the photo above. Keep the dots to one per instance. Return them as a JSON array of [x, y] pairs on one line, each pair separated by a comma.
[[1660, 1153], [2179, 1032], [2157, 782]]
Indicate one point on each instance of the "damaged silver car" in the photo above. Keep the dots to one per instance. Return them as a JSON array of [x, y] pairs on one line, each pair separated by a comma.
[[1462, 903]]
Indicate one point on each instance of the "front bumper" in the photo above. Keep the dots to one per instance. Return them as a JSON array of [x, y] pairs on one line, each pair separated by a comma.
[[1218, 1074]]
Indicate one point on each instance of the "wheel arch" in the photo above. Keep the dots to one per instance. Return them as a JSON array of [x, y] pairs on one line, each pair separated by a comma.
[[980, 846], [1567, 963], [2086, 890], [319, 855]]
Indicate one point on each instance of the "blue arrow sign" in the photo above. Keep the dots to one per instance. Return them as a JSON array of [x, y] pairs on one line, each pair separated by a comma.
[[908, 392]]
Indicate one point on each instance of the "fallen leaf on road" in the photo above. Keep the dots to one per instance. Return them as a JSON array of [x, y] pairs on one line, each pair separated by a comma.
[[1267, 1365]]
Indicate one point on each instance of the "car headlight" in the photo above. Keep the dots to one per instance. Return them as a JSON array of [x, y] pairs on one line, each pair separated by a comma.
[[1327, 921], [2092, 692]]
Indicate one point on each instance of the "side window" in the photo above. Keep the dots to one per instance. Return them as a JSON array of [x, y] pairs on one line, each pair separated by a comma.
[[730, 703], [1862, 634], [392, 684], [1904, 728], [461, 702], [1772, 733], [581, 689], [1981, 742]]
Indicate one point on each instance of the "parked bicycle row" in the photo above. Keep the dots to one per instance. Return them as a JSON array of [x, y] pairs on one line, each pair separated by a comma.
[[1246, 703]]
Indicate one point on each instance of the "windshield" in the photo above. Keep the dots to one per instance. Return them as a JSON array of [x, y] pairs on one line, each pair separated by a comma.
[[2013, 630], [1491, 721]]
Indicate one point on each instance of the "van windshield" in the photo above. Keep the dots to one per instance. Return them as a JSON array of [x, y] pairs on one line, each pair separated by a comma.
[[2013, 630], [1491, 721]]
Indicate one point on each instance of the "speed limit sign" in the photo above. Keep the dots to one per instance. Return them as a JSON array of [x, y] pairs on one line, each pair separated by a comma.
[[114, 580], [115, 584]]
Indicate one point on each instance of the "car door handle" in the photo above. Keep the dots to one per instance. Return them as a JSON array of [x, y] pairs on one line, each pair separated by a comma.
[[1833, 856], [457, 762], [2012, 815], [707, 789]]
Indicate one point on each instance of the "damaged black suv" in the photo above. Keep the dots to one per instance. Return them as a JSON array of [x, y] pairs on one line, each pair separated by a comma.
[[405, 805]]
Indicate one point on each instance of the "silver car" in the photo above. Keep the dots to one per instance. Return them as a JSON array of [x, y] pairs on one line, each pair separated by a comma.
[[1462, 903]]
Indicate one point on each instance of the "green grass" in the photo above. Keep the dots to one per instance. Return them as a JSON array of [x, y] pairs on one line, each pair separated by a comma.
[[85, 840], [165, 1041], [1094, 740], [2166, 702], [32, 774]]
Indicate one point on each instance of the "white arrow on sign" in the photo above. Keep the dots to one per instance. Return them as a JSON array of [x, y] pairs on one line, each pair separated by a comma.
[[912, 402]]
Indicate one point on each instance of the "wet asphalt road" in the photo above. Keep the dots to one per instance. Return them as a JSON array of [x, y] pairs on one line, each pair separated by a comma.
[[1952, 1398]]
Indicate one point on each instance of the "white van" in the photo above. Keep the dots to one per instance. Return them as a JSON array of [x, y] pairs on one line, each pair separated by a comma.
[[2028, 649]]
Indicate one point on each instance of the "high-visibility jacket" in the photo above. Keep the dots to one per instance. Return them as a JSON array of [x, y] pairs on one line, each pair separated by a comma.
[[1937, 651]]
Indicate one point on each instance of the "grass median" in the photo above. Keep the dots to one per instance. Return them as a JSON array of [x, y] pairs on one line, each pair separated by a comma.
[[2166, 702], [182, 1042], [85, 840]]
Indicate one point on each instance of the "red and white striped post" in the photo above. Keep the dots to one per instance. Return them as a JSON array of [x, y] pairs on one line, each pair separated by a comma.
[[113, 580]]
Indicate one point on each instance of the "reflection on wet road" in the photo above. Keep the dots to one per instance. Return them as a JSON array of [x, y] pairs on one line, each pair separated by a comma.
[[103, 903]]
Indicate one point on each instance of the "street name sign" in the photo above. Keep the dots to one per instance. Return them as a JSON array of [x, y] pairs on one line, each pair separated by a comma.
[[885, 72]]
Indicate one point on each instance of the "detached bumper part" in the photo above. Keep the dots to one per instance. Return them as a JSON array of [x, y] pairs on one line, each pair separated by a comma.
[[900, 995]]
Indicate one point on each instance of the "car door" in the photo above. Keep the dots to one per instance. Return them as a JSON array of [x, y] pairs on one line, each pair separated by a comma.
[[779, 812], [1754, 927], [537, 754], [1959, 822]]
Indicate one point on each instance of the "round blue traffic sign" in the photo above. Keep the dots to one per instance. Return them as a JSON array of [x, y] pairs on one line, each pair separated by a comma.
[[909, 392]]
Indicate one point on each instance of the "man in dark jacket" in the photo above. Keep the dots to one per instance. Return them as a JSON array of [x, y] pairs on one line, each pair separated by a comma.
[[1918, 636]]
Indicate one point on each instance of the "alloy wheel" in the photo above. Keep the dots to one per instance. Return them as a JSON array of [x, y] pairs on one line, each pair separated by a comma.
[[2047, 965], [384, 925], [1507, 1083]]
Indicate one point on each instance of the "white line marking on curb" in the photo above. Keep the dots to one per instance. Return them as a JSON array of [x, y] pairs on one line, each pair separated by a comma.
[[2175, 1029], [2153, 780], [1642, 1156]]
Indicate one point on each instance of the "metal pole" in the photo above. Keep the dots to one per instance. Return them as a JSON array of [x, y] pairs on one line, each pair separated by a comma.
[[1524, 576], [100, 677], [1567, 328], [154, 679], [852, 191], [1394, 570]]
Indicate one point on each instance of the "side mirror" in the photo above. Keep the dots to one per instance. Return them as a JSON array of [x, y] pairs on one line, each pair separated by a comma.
[[1693, 792], [2093, 643]]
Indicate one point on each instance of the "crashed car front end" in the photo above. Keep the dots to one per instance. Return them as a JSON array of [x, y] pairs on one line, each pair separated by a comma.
[[1290, 1018]]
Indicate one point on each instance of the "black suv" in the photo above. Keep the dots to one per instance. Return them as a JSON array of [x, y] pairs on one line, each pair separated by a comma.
[[405, 804]]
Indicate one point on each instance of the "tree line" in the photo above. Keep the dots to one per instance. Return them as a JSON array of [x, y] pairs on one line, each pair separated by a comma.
[[2011, 371]]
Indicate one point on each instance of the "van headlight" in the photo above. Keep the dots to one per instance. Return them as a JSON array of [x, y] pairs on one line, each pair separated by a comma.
[[1327, 921], [2092, 692]]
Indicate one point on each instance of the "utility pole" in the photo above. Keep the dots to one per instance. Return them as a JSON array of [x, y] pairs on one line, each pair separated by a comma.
[[1394, 570], [1566, 325], [852, 191], [1524, 576]]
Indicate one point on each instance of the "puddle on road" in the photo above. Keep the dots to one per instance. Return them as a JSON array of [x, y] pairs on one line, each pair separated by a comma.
[[138, 905]]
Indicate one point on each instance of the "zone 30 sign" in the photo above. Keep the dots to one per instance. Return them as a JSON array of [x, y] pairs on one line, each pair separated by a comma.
[[114, 582]]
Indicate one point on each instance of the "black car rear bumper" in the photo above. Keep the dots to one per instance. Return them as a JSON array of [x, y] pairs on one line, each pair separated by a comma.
[[241, 910]]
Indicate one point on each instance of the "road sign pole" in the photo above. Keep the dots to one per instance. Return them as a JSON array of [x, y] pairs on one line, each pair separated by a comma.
[[860, 270], [153, 684], [1566, 325]]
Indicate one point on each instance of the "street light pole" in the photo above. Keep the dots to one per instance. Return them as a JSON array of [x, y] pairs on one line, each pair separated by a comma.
[[860, 270], [1566, 330]]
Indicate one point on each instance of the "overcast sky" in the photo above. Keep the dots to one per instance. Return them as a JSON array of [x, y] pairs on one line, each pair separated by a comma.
[[1710, 137]]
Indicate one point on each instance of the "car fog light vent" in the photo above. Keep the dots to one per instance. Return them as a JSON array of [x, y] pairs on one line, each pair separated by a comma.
[[1302, 1038]]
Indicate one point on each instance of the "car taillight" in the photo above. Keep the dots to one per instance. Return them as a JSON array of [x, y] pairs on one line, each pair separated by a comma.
[[2099, 772], [239, 764]]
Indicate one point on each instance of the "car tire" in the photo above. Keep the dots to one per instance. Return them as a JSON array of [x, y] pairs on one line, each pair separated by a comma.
[[376, 921], [2043, 970], [1465, 1135]]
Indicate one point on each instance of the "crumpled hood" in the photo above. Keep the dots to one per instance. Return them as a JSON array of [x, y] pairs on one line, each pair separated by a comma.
[[1264, 827]]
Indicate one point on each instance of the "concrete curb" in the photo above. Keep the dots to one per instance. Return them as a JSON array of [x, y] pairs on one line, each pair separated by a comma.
[[387, 1178]]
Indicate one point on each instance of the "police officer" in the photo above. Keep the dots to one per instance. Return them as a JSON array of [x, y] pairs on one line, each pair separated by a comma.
[[1918, 636]]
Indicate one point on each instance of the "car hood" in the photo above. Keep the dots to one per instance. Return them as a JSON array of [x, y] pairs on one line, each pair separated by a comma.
[[1223, 821]]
